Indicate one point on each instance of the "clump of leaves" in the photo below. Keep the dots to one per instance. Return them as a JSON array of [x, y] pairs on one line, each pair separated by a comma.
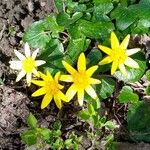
[[42, 138]]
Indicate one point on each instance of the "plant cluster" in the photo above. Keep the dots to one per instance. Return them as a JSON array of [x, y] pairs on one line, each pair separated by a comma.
[[77, 35]]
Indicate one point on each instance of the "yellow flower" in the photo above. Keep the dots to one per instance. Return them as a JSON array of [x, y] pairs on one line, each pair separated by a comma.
[[81, 79], [119, 55], [51, 88], [27, 64]]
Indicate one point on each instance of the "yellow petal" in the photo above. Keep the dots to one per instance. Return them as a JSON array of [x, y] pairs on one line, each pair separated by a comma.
[[132, 51], [28, 78], [19, 55], [38, 82], [15, 65], [58, 102], [46, 100], [34, 54], [60, 86], [91, 92], [69, 68], [105, 49], [125, 42], [62, 96], [80, 95], [20, 75], [39, 92], [91, 70], [27, 50], [106, 60], [122, 69], [114, 67], [94, 81], [131, 63], [71, 92], [81, 65], [57, 76], [43, 76], [114, 41], [66, 78]]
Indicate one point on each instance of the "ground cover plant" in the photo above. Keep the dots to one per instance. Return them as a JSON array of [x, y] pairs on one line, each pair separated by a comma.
[[81, 64]]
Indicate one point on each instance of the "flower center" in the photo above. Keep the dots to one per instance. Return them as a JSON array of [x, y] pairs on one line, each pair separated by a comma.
[[51, 87], [81, 80], [118, 55], [28, 64]]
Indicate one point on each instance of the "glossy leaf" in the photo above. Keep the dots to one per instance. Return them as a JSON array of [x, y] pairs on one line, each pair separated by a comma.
[[126, 95]]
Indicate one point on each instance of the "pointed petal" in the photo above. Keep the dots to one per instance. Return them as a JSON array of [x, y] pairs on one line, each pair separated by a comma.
[[34, 54], [91, 92], [39, 62], [27, 50], [60, 86], [38, 82], [58, 102], [69, 68], [20, 75], [122, 69], [81, 65], [94, 81], [39, 92], [131, 63], [49, 75], [106, 60], [15, 65], [132, 51], [91, 70], [114, 67], [19, 55], [57, 76], [62, 96], [71, 92], [43, 76], [66, 78], [105, 49], [80, 95], [125, 42], [46, 100], [35, 72], [114, 41], [28, 78]]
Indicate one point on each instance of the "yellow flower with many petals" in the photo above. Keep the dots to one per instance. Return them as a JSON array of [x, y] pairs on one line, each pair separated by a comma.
[[51, 88], [119, 55], [81, 79], [27, 64]]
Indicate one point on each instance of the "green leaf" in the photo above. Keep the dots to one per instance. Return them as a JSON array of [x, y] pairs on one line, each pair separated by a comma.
[[96, 30], [84, 115], [36, 35], [148, 90], [75, 47], [29, 137], [57, 125], [45, 133], [93, 57], [110, 125], [32, 121], [126, 95], [91, 110], [59, 5], [148, 75], [134, 75], [68, 142], [138, 122], [106, 88]]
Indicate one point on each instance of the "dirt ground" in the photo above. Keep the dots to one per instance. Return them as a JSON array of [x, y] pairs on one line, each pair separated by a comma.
[[15, 101]]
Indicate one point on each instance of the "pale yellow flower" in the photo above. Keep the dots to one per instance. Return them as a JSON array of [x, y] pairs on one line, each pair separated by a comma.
[[50, 88], [81, 79], [27, 64], [118, 54]]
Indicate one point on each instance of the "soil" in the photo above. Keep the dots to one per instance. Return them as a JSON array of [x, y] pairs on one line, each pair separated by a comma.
[[15, 100]]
